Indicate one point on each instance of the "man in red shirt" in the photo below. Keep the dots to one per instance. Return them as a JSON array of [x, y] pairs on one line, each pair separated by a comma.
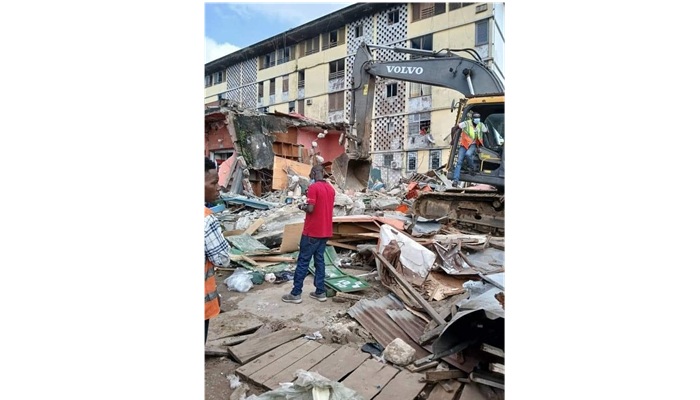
[[318, 228]]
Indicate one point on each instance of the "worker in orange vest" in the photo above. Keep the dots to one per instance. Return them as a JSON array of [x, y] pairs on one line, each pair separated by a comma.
[[216, 248], [471, 137]]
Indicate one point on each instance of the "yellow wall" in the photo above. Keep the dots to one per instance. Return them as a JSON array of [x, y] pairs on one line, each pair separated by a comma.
[[211, 92], [447, 20], [423, 160]]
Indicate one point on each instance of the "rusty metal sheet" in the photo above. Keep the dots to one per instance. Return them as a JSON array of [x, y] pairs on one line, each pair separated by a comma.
[[372, 315], [415, 327]]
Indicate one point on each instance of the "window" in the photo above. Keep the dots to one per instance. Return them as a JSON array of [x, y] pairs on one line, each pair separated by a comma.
[[454, 6], [207, 81], [337, 69], [391, 89], [422, 43], [411, 163], [300, 106], [301, 78], [419, 89], [390, 126], [291, 106], [435, 158], [272, 87], [311, 46], [419, 124], [218, 77], [334, 38], [426, 10], [388, 158], [285, 83], [260, 90], [358, 31], [482, 32], [393, 17], [285, 55], [336, 101], [268, 60]]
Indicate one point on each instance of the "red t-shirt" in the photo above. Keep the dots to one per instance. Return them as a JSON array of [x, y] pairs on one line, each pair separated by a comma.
[[319, 223]]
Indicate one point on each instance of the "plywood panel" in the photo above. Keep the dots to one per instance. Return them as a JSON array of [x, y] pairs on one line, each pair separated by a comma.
[[405, 385], [283, 362], [305, 363], [369, 378], [254, 347], [269, 357], [340, 363]]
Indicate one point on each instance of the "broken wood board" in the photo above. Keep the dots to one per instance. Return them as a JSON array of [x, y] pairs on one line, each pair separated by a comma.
[[229, 341], [241, 257], [369, 378], [341, 245], [254, 226], [291, 237], [488, 378], [254, 347], [242, 331], [439, 392], [279, 171], [414, 368], [283, 362], [345, 360], [493, 350], [269, 357], [273, 259], [215, 351], [306, 363], [246, 243], [405, 385], [434, 376], [440, 286], [474, 391], [498, 368]]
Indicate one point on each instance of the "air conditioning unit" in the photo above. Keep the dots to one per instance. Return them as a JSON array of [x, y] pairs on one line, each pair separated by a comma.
[[308, 102], [395, 165]]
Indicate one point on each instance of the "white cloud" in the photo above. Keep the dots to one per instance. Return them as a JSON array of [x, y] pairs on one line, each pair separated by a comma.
[[294, 13], [214, 50]]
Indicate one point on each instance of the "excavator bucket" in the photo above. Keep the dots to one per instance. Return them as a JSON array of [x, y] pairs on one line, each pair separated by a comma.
[[351, 173]]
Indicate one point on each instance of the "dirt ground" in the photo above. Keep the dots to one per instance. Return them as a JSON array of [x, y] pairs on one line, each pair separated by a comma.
[[263, 305]]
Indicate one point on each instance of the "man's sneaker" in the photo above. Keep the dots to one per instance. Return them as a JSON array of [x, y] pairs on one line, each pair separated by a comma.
[[319, 297], [290, 298]]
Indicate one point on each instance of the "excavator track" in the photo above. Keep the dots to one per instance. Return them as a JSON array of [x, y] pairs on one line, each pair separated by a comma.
[[476, 210]]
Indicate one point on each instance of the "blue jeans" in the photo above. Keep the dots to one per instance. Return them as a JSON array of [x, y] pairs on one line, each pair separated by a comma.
[[460, 158], [310, 247]]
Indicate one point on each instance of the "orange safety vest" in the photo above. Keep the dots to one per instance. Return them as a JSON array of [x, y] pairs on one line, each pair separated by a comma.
[[469, 135], [211, 296]]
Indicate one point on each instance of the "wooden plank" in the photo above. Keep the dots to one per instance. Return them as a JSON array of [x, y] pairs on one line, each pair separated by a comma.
[[243, 331], [229, 341], [254, 347], [409, 288], [414, 368], [283, 362], [341, 245], [369, 378], [472, 391], [215, 351], [254, 226], [434, 376], [341, 363], [493, 350], [497, 367], [440, 393], [488, 378], [405, 385], [306, 363], [291, 237], [269, 357], [275, 259]]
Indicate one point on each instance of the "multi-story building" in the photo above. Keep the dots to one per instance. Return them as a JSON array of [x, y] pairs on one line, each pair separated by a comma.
[[308, 70]]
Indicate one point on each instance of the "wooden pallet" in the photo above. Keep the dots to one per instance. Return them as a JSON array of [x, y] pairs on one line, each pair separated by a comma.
[[347, 364]]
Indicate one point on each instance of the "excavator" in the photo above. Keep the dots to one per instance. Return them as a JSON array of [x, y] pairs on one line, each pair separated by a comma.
[[480, 205]]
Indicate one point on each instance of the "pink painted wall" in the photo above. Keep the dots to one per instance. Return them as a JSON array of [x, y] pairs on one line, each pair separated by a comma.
[[328, 146]]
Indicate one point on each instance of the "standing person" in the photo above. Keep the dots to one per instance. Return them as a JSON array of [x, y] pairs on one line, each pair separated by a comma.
[[472, 136], [216, 248], [318, 227]]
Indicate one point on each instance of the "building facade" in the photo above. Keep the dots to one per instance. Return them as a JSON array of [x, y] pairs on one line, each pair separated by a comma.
[[308, 70]]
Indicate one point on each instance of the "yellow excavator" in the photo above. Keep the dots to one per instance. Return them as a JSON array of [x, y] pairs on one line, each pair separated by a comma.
[[480, 205]]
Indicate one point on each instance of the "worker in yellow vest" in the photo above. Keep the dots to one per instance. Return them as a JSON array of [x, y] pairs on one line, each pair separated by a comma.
[[471, 137], [216, 248]]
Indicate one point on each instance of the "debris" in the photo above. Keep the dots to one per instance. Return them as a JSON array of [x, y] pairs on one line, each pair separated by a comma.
[[239, 281], [314, 336], [283, 276], [399, 352], [270, 277], [233, 381], [239, 393], [414, 256], [434, 376], [308, 386], [385, 203], [373, 348]]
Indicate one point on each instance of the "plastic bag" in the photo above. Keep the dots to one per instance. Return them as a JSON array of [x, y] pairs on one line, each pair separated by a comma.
[[239, 281]]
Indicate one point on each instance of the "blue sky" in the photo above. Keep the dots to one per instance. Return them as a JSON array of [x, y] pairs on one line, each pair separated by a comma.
[[231, 26]]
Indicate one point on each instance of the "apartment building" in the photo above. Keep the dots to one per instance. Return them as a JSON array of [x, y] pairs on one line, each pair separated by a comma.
[[308, 70]]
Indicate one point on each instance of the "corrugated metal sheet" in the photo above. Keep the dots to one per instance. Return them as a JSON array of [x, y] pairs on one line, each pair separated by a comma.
[[372, 315]]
